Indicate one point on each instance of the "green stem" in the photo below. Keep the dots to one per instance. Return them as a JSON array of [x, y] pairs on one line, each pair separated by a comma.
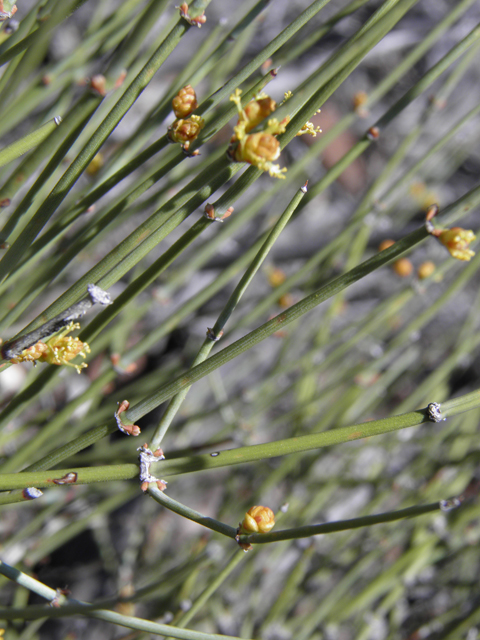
[[191, 514], [341, 525], [210, 590], [70, 177], [215, 333], [74, 607], [18, 148], [240, 455]]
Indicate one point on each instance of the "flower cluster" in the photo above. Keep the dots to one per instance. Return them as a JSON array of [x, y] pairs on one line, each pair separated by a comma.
[[59, 349], [259, 149], [185, 130], [457, 240]]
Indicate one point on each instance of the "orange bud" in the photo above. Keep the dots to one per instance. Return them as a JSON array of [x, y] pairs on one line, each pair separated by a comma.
[[425, 270], [403, 267], [385, 244], [276, 277], [457, 240], [258, 519], [184, 102], [286, 300]]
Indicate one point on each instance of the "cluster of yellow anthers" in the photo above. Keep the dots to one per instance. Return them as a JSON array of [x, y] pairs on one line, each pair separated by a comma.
[[185, 130], [457, 240], [60, 349], [261, 148], [308, 127]]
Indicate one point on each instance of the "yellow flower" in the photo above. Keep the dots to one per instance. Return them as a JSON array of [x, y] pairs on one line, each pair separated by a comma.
[[184, 102], [258, 519], [309, 128], [457, 240], [58, 350], [259, 148]]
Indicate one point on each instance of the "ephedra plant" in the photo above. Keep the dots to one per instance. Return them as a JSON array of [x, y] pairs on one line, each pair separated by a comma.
[[239, 319]]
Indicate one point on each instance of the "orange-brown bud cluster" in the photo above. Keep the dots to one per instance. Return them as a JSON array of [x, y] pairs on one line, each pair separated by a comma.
[[185, 131], [258, 519], [184, 102]]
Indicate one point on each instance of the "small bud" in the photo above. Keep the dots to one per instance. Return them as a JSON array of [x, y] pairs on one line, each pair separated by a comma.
[[286, 301], [195, 22], [98, 84], [425, 270], [358, 102], [431, 212], [95, 165], [276, 277], [184, 102], [214, 337], [69, 478], [457, 240], [403, 267], [127, 429], [385, 244], [258, 519], [373, 133], [120, 79]]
